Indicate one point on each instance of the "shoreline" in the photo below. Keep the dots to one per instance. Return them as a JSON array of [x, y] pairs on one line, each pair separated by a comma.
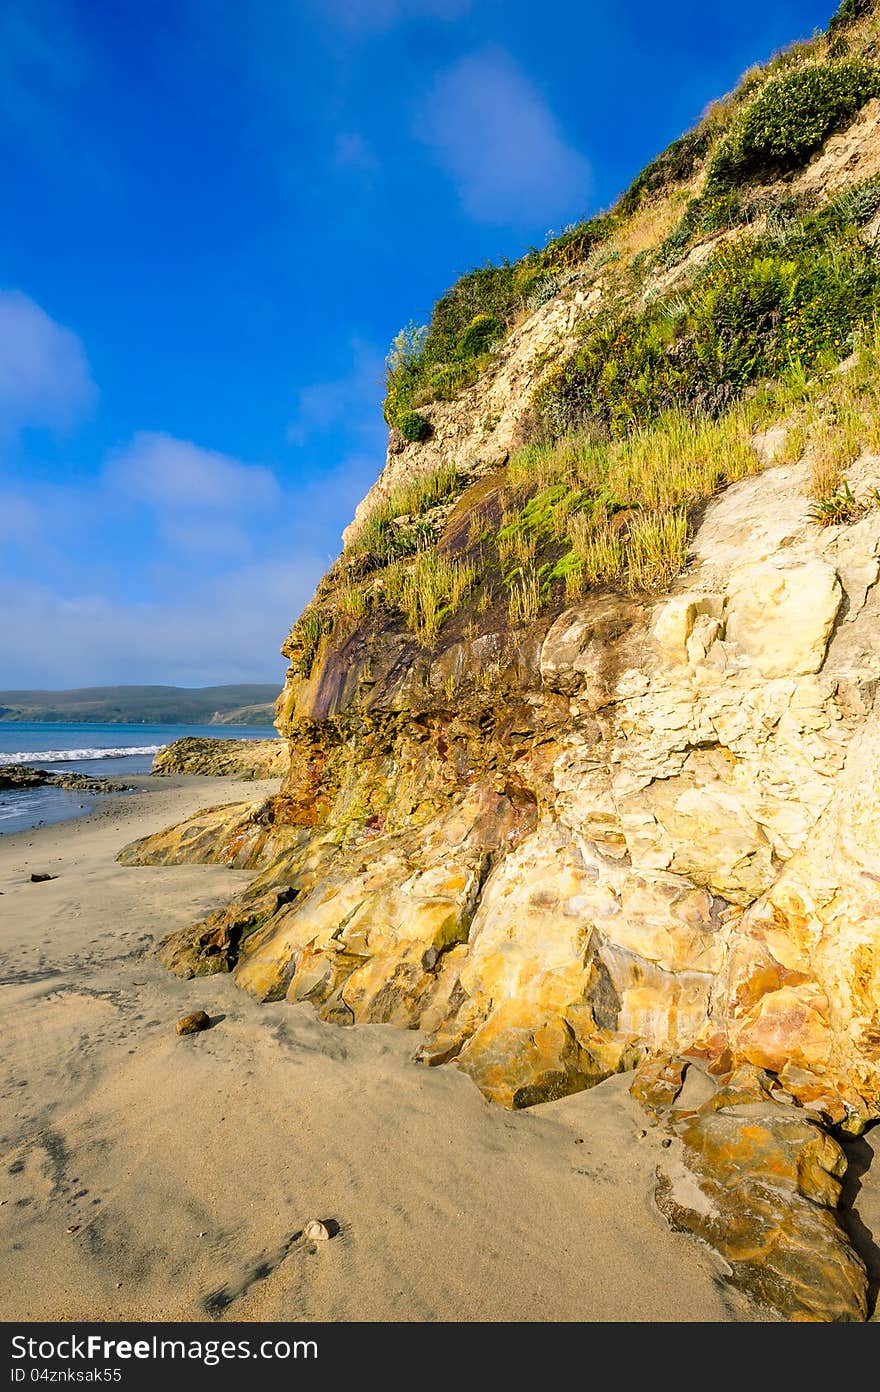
[[150, 1177], [118, 806], [91, 757]]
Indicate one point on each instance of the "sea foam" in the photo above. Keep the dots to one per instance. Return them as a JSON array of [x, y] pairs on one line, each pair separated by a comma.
[[69, 756]]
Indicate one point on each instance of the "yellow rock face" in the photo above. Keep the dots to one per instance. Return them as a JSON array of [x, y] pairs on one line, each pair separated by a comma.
[[761, 1189], [224, 758], [522, 1055], [666, 839], [242, 834], [822, 918]]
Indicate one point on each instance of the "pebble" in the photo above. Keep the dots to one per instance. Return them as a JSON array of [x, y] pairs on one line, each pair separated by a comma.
[[192, 1024], [666, 1142], [640, 1135], [74, 1227], [40, 876]]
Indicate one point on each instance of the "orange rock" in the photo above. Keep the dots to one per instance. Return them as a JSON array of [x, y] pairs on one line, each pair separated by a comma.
[[760, 1190], [788, 1026], [658, 1082]]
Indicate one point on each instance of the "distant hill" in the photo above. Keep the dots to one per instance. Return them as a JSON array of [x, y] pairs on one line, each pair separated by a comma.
[[249, 703], [261, 714]]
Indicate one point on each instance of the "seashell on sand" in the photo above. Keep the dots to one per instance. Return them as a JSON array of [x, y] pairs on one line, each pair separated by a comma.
[[316, 1231]]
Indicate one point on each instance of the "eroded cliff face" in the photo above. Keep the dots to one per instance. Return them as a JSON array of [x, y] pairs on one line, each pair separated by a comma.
[[656, 836], [659, 832], [640, 831]]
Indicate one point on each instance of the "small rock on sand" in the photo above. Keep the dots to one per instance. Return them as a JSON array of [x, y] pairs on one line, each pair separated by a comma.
[[40, 876], [316, 1231], [192, 1024]]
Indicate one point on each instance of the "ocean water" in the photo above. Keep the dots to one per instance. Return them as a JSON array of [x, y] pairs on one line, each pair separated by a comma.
[[108, 751]]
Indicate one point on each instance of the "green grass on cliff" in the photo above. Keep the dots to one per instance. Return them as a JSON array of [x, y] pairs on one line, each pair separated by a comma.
[[661, 401], [618, 508], [795, 293], [395, 528], [770, 126], [427, 590], [583, 511]]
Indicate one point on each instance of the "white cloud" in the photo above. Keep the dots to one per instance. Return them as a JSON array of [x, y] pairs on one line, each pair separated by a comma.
[[44, 373], [221, 630], [353, 399], [490, 129], [89, 595], [178, 475]]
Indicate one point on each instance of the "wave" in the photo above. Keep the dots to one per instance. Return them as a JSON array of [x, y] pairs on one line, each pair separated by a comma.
[[69, 756]]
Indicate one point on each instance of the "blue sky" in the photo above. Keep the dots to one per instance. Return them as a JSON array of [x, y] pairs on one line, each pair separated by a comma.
[[217, 216]]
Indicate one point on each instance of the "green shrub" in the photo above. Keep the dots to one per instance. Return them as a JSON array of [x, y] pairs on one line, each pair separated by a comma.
[[759, 308], [486, 290], [407, 348], [403, 369], [674, 166], [436, 361], [791, 118], [414, 427], [849, 12], [442, 381], [478, 336], [857, 204], [576, 242], [839, 506], [713, 212], [542, 288]]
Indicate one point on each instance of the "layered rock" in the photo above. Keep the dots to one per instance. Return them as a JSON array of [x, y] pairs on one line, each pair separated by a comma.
[[20, 777], [760, 1182], [221, 758], [662, 835]]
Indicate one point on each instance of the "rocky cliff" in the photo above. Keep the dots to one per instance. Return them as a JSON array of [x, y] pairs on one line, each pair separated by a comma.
[[584, 761], [223, 758]]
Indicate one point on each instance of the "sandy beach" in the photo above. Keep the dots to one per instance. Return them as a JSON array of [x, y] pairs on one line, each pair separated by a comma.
[[146, 1176]]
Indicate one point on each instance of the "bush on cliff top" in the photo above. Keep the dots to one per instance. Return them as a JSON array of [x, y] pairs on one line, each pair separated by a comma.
[[760, 305], [848, 13], [790, 118], [779, 116], [658, 404], [435, 361], [675, 165]]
